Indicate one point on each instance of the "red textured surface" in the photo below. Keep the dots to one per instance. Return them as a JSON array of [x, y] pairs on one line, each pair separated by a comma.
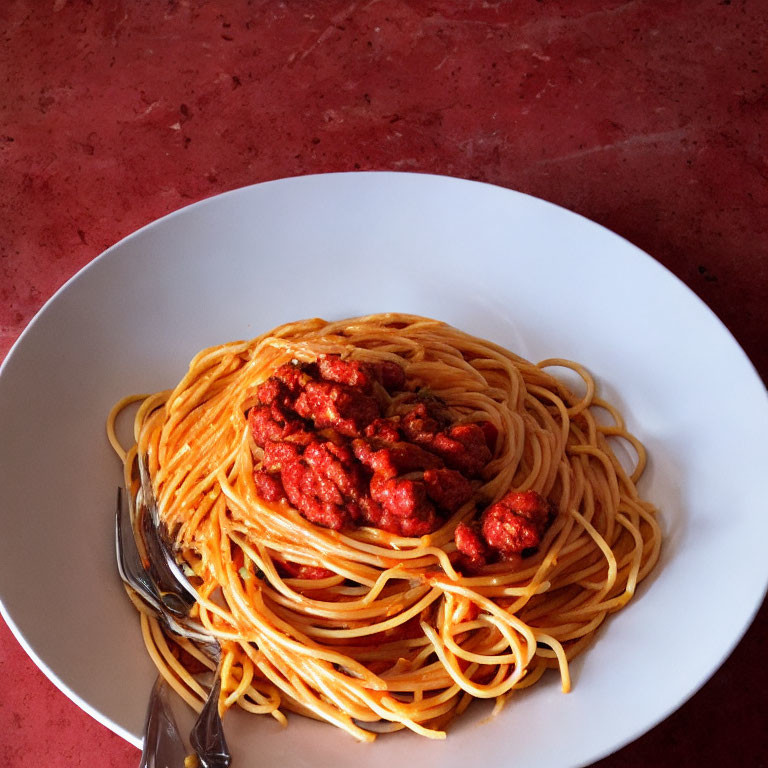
[[648, 117]]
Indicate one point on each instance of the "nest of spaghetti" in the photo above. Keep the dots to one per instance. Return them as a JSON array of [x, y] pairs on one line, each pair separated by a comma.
[[386, 518]]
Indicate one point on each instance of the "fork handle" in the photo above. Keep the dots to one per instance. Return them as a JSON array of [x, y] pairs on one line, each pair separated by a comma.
[[207, 736], [163, 745]]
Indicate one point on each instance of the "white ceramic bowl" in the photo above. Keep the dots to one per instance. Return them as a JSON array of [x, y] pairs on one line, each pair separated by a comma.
[[534, 277]]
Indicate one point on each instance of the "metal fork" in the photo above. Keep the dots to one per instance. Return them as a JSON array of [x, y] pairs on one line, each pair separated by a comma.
[[176, 593], [163, 746], [169, 595]]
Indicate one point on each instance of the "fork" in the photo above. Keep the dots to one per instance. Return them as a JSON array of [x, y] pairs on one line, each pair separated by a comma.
[[163, 746], [169, 596]]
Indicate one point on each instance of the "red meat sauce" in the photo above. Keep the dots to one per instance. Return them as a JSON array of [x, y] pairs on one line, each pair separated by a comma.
[[333, 454], [514, 525]]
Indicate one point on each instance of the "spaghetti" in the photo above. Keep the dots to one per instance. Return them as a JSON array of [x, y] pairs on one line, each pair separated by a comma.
[[361, 624]]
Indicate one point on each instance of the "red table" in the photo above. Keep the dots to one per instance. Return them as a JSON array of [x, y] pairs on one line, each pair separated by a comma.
[[648, 117]]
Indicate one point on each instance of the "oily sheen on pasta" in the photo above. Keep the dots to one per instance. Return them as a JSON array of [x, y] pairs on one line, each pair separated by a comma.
[[385, 518]]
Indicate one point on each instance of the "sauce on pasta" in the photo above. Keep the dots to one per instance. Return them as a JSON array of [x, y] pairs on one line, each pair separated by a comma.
[[385, 518]]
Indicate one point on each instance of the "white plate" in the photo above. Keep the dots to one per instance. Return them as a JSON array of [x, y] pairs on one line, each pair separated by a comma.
[[532, 276]]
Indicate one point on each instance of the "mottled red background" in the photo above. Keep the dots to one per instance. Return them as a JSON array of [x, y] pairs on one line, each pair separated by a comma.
[[648, 117]]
